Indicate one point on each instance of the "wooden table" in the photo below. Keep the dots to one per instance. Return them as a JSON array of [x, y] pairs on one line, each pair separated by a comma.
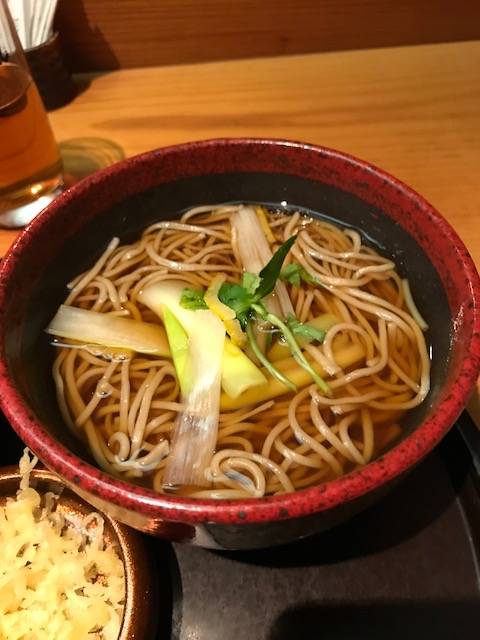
[[415, 111]]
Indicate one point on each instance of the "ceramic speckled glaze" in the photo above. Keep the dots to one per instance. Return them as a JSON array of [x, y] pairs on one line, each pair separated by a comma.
[[122, 200], [140, 616]]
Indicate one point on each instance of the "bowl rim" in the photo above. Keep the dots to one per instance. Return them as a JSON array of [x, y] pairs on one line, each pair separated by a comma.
[[250, 510]]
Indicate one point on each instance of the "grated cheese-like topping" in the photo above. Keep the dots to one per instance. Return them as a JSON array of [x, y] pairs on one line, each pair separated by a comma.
[[58, 579]]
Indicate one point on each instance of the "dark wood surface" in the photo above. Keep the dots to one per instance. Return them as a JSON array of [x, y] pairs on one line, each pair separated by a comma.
[[404, 569], [111, 34]]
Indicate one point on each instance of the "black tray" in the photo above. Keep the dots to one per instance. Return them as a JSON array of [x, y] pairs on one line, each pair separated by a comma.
[[407, 568]]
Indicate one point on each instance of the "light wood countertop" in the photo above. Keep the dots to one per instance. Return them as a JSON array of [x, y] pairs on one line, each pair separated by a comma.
[[414, 111]]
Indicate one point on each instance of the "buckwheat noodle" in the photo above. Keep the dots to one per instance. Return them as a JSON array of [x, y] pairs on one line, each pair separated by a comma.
[[126, 408]]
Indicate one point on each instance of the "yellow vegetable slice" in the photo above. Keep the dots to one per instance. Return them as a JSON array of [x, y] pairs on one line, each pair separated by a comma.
[[346, 357], [239, 373], [262, 218], [224, 312]]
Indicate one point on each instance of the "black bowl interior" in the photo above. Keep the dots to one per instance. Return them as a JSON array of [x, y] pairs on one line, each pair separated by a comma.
[[30, 354]]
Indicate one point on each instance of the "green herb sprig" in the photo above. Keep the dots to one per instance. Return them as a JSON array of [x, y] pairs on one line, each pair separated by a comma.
[[246, 300], [304, 330], [295, 274]]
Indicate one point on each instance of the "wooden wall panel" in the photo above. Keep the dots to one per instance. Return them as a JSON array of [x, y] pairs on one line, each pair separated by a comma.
[[108, 34]]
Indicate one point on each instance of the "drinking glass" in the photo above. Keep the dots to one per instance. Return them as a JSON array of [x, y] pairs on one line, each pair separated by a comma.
[[30, 164]]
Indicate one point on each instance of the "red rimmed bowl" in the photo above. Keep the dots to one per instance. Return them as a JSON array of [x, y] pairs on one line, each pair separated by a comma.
[[125, 198]]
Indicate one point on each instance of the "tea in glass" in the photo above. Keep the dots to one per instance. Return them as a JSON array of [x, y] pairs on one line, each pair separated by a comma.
[[30, 164]]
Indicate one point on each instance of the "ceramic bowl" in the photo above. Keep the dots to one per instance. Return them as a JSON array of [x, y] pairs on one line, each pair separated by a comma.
[[142, 611], [130, 195]]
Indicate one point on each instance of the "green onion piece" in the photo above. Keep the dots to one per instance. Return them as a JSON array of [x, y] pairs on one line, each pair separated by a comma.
[[196, 425], [265, 362]]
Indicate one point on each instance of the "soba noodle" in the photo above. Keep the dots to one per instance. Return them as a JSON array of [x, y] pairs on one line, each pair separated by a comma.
[[126, 406]]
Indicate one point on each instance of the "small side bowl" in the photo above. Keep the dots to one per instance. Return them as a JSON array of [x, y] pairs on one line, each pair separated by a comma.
[[140, 618], [124, 199]]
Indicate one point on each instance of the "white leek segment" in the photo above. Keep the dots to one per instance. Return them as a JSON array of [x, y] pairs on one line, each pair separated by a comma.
[[195, 432], [254, 251], [91, 327], [239, 373]]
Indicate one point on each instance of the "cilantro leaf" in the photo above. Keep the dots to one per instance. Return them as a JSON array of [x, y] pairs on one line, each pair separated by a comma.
[[193, 299], [294, 273], [291, 274], [250, 282], [237, 298], [271, 271], [305, 330], [241, 297]]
